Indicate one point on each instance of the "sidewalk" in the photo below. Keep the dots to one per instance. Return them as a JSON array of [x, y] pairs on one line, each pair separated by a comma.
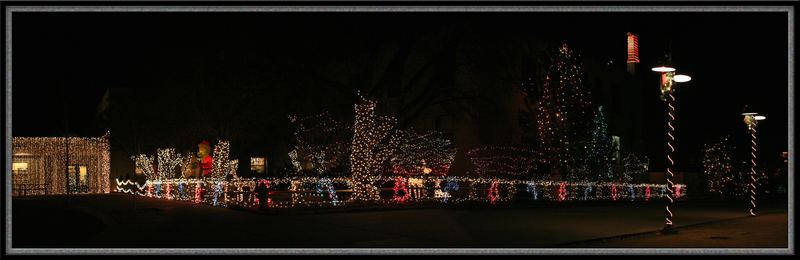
[[762, 231]]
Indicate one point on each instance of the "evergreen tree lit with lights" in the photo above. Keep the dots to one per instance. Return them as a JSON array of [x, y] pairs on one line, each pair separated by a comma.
[[562, 111], [718, 167], [599, 152]]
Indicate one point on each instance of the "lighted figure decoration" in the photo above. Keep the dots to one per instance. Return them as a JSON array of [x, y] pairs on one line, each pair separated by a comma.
[[562, 191], [181, 190], [647, 193], [532, 190], [416, 185], [149, 189], [751, 120], [586, 191], [451, 186], [631, 192], [169, 191], [206, 161], [428, 154], [494, 192], [374, 142], [296, 186], [400, 190], [326, 185], [198, 192], [158, 188], [718, 168], [614, 191], [217, 193]]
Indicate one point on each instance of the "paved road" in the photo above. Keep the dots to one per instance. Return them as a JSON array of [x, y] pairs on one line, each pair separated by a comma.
[[114, 221], [763, 231]]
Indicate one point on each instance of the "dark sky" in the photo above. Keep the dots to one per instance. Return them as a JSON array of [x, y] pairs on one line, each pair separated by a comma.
[[63, 62]]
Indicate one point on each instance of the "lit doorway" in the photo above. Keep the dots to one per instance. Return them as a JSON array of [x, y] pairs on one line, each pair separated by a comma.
[[78, 178]]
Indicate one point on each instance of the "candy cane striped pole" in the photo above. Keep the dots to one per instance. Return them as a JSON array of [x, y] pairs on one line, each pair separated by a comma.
[[752, 170], [670, 174], [751, 120]]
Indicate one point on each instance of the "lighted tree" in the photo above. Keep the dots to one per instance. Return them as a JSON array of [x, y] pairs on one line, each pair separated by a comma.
[[598, 150], [322, 144], [168, 161], [145, 164], [374, 142], [423, 154], [634, 166], [718, 167], [561, 111], [221, 163]]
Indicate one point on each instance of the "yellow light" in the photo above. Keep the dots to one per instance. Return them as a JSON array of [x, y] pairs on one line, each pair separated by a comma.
[[19, 166]]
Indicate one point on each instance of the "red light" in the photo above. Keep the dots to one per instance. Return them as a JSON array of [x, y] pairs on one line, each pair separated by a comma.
[[633, 48]]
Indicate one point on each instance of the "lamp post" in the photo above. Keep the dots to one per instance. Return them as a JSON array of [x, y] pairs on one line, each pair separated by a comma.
[[668, 80], [751, 120]]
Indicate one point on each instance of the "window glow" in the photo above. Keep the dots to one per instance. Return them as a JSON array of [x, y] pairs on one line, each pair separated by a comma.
[[19, 166]]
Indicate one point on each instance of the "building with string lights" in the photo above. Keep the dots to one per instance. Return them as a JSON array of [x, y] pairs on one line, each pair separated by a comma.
[[60, 165]]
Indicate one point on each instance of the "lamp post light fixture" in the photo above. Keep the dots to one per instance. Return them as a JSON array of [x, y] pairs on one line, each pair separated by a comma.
[[668, 80], [751, 120]]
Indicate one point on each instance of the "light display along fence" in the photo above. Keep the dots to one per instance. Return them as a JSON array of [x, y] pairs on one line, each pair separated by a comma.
[[326, 192]]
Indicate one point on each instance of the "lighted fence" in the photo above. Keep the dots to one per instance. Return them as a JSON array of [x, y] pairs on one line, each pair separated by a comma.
[[323, 192]]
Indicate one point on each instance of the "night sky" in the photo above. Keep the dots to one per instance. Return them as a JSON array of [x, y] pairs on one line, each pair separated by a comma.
[[64, 62]]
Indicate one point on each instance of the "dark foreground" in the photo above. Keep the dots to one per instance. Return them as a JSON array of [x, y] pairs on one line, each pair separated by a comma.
[[122, 221]]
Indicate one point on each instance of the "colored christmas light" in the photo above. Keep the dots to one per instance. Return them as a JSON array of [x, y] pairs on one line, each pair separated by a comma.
[[400, 187]]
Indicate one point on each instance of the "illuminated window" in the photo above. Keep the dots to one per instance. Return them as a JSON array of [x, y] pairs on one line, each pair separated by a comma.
[[258, 164], [83, 176], [19, 167]]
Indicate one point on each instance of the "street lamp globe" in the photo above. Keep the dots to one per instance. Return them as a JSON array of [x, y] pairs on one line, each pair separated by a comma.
[[663, 68], [681, 78]]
